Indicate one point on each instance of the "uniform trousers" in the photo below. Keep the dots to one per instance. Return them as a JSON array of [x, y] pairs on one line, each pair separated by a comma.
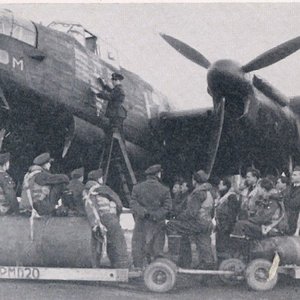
[[116, 244], [147, 241]]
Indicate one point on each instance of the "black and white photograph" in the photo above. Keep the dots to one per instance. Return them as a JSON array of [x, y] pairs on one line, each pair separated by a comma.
[[150, 151]]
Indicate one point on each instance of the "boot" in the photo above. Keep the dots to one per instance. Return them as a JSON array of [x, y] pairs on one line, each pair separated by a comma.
[[174, 247]]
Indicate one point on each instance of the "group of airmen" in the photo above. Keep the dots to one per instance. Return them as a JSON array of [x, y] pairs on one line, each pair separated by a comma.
[[256, 208], [194, 209]]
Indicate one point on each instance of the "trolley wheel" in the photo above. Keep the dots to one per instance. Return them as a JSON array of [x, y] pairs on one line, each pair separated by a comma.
[[168, 262], [257, 275], [235, 265], [160, 276]]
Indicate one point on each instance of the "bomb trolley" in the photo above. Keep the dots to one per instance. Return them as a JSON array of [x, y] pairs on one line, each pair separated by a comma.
[[159, 276], [265, 261], [61, 250]]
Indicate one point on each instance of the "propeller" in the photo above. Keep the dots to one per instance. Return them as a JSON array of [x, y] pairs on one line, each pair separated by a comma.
[[273, 55], [225, 76], [215, 140], [264, 60], [187, 51]]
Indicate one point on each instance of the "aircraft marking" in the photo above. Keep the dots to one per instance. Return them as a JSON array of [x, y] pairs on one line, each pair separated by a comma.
[[18, 63], [19, 272], [4, 57]]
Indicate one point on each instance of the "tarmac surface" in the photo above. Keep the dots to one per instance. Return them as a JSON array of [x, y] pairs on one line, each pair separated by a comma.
[[186, 288]]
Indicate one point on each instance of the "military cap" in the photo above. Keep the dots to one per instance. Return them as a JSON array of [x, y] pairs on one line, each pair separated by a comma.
[[297, 168], [95, 174], [200, 176], [153, 170], [4, 157], [117, 76], [42, 159], [77, 173], [254, 172]]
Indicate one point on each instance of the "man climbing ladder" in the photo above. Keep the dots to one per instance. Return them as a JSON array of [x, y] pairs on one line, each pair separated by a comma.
[[115, 96]]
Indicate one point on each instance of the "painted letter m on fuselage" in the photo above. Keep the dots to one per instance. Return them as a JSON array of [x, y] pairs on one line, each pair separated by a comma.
[[18, 64]]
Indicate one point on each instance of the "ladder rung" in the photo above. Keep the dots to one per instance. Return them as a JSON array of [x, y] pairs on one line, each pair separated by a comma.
[[116, 135]]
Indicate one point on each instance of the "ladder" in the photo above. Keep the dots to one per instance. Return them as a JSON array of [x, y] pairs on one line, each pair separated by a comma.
[[115, 149]]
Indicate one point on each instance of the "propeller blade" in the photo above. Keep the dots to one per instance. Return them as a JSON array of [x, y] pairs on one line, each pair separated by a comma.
[[215, 141], [2, 136], [67, 146], [187, 51], [273, 55]]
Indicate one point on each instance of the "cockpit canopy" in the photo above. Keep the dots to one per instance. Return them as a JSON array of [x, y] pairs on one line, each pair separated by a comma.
[[18, 28], [101, 48]]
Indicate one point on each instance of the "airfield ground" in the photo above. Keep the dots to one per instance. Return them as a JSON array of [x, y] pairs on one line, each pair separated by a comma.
[[186, 288]]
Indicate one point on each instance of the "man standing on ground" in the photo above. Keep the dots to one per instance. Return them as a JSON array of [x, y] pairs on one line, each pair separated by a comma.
[[103, 206], [75, 189], [248, 195], [292, 201], [196, 220], [8, 200], [150, 203], [226, 213]]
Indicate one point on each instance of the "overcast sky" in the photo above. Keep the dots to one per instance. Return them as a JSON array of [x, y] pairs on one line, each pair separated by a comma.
[[236, 31]]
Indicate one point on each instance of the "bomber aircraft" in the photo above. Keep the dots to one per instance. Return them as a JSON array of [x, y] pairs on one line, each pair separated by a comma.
[[48, 94]]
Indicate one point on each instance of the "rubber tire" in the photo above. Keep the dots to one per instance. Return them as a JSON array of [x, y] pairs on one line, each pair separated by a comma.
[[167, 268], [231, 264], [251, 279], [168, 262]]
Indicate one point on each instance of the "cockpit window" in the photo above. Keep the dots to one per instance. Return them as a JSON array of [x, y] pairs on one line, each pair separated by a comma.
[[17, 28], [75, 30]]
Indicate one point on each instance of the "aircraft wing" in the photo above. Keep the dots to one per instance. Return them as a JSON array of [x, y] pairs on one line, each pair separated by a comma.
[[186, 114], [189, 138]]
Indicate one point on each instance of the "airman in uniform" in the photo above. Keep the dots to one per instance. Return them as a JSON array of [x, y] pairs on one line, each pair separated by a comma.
[[249, 194], [74, 191], [292, 201], [195, 221], [8, 200], [226, 212], [41, 189], [268, 218], [115, 96], [103, 206], [150, 202]]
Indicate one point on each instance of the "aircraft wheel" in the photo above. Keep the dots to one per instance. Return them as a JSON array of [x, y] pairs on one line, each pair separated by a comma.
[[160, 276], [235, 265], [257, 275]]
